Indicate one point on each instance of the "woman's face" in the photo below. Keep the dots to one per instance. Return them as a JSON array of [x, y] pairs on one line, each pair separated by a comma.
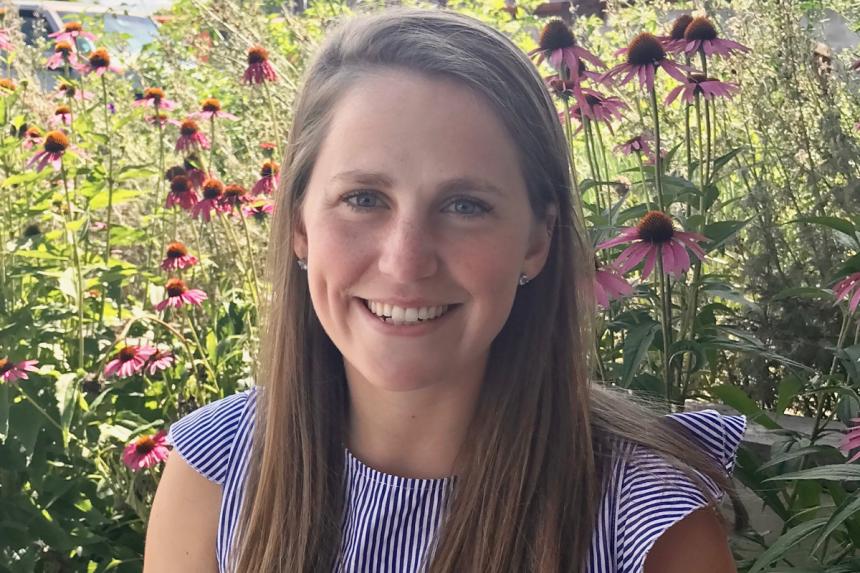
[[416, 209]]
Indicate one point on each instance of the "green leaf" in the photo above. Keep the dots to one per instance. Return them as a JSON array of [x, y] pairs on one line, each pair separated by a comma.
[[804, 292], [66, 390], [850, 359], [719, 233], [722, 160], [834, 223], [785, 543], [788, 389], [834, 472], [843, 513], [636, 346], [100, 200], [738, 399], [68, 284], [793, 455], [4, 411]]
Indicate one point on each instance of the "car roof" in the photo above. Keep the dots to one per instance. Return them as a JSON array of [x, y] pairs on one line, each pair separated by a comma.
[[82, 7]]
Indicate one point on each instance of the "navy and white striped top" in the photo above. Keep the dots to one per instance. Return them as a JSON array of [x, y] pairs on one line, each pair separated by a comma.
[[389, 521]]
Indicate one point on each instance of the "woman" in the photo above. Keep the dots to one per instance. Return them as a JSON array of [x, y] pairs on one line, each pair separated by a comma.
[[424, 402]]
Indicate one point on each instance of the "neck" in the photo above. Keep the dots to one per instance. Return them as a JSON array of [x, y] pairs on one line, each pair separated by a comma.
[[411, 433]]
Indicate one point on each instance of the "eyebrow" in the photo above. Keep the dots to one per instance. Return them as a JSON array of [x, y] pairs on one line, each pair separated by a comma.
[[456, 184]]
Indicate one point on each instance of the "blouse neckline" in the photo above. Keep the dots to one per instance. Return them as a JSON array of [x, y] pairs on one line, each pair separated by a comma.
[[358, 468]]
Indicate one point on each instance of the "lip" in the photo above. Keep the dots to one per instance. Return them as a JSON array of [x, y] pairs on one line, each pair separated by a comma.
[[409, 302], [421, 329]]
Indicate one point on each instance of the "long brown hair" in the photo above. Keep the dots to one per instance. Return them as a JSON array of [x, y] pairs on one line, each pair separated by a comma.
[[539, 447]]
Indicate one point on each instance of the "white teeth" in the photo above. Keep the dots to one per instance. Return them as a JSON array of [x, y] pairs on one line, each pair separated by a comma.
[[400, 315]]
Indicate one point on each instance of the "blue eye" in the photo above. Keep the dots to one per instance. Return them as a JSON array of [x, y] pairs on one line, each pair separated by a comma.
[[469, 207], [361, 200]]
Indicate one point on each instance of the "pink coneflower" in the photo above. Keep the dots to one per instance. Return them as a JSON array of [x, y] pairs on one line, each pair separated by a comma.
[[610, 285], [178, 294], [181, 193], [558, 45], [234, 196], [210, 200], [268, 179], [190, 137], [129, 360], [674, 42], [851, 441], [700, 35], [268, 148], [598, 108], [6, 43], [644, 55], [72, 31], [161, 118], [55, 146], [146, 451], [639, 144], [64, 53], [258, 209], [259, 69], [68, 91], [211, 108], [99, 62], [12, 371], [154, 97], [845, 288], [62, 116], [161, 360], [655, 235], [177, 257], [32, 138], [698, 84]]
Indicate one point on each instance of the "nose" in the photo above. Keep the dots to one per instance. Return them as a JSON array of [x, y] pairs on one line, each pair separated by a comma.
[[408, 252]]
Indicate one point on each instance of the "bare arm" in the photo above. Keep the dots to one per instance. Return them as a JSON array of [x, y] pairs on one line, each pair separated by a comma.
[[696, 543], [182, 527]]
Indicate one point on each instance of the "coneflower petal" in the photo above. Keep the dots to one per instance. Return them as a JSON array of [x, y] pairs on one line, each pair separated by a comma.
[[650, 261]]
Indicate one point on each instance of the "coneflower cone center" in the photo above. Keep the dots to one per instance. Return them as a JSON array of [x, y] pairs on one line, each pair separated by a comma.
[[679, 26], [63, 47], [211, 105], [62, 110], [212, 190], [175, 287], [153, 93], [126, 354], [268, 169], [100, 58], [556, 36], [5, 365], [234, 192], [56, 142], [179, 184], [188, 128], [8, 84], [645, 49], [700, 29], [257, 55], [144, 445], [176, 250], [73, 27], [69, 90], [656, 228]]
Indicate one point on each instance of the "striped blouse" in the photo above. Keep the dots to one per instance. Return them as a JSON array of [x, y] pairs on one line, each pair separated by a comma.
[[390, 521]]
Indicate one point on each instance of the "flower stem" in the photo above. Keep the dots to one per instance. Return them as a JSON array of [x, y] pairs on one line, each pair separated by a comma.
[[577, 194], [44, 413], [665, 324], [200, 348], [658, 159], [276, 130], [77, 262], [256, 287], [212, 146], [110, 201]]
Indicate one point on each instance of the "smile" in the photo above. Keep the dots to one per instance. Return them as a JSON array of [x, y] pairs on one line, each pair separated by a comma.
[[399, 315]]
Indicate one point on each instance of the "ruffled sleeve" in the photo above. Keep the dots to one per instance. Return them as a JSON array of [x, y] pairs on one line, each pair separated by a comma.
[[653, 495], [205, 438]]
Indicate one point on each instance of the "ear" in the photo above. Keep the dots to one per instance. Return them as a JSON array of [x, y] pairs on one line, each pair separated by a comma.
[[300, 239], [539, 242]]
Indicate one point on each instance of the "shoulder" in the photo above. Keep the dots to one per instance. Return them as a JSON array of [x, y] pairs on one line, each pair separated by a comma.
[[654, 496], [206, 437]]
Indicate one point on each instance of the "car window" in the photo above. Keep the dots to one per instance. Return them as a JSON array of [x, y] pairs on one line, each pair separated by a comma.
[[33, 25]]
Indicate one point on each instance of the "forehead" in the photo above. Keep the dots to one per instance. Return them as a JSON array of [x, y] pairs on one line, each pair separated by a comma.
[[421, 126]]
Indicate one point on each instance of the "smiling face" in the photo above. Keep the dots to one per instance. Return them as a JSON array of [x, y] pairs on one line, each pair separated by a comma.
[[416, 208]]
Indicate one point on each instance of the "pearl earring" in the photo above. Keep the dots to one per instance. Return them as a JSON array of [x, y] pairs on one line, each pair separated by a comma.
[[523, 279], [303, 264]]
